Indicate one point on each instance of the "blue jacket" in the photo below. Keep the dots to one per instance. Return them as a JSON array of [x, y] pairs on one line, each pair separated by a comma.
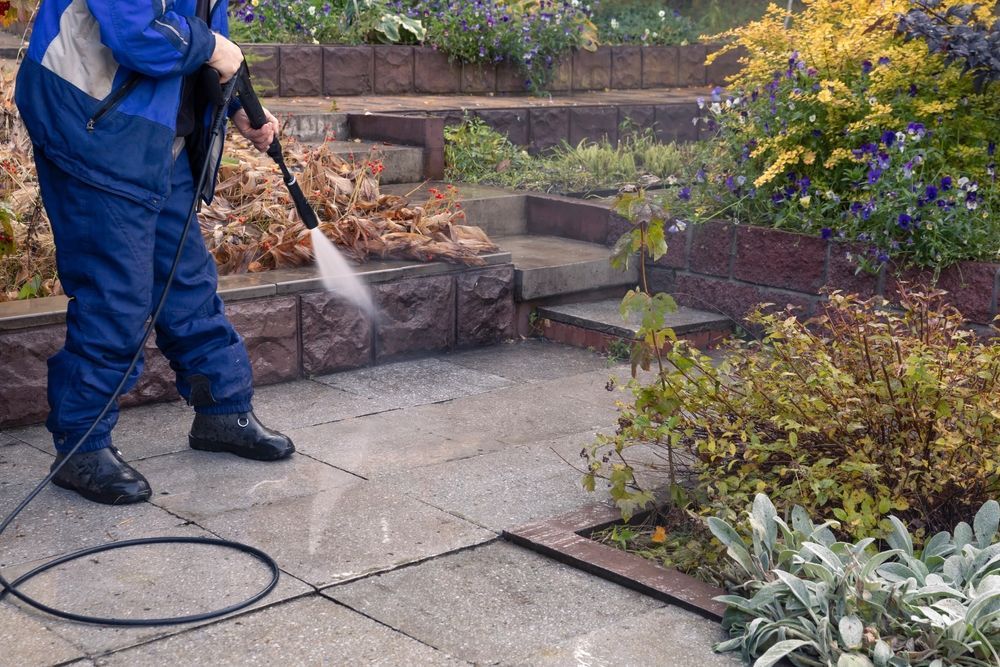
[[100, 87]]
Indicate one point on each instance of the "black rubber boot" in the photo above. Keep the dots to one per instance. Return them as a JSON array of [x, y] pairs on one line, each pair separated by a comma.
[[103, 477], [241, 434]]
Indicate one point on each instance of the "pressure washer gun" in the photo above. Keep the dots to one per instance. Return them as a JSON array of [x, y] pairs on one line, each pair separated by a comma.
[[255, 112]]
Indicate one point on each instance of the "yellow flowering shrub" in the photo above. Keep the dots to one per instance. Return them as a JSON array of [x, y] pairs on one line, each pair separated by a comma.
[[837, 102]]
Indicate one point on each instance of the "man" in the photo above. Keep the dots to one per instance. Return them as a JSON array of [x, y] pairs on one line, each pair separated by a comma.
[[109, 94]]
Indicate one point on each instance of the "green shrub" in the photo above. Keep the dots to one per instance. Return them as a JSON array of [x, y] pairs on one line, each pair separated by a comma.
[[858, 413], [476, 153], [816, 601]]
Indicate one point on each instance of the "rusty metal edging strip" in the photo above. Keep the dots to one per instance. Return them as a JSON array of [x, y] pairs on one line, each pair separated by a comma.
[[563, 539]]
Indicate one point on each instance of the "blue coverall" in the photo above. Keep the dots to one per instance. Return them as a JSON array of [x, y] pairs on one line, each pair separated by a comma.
[[99, 92]]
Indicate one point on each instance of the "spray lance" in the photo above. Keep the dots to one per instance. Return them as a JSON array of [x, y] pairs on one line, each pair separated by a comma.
[[255, 112], [336, 273]]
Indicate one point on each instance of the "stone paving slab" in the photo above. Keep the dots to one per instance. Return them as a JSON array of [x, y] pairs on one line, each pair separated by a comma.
[[417, 382], [530, 361], [142, 432], [382, 443], [521, 414], [346, 533], [307, 403], [496, 602], [198, 485], [156, 580], [21, 465], [28, 642], [504, 489], [667, 636], [58, 522], [605, 316], [311, 631]]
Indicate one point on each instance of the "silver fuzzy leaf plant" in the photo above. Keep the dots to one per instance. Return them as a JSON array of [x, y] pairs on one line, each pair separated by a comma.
[[815, 601]]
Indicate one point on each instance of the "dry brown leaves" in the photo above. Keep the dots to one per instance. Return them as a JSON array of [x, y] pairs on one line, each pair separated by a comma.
[[252, 225]]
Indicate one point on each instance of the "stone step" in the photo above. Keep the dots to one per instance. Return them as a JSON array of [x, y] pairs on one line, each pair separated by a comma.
[[402, 164], [497, 211], [599, 324], [550, 266]]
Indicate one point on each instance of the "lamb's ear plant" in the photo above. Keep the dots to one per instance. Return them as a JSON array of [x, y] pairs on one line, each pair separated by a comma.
[[812, 600]]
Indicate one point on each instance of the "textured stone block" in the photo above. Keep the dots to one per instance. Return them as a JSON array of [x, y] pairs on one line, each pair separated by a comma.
[[562, 76], [636, 119], [270, 328], [593, 124], [512, 122], [348, 70], [24, 373], [843, 274], [659, 66], [711, 248], [336, 335], [626, 67], [780, 259], [301, 69], [264, 65], [549, 128], [417, 315], [970, 287], [592, 69], [550, 215], [433, 72], [675, 122], [691, 65], [393, 70], [485, 306], [479, 78], [724, 66], [510, 79], [677, 241], [733, 299]]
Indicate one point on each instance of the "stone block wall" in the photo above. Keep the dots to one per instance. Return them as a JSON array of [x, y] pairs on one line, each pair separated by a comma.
[[728, 268], [296, 335], [293, 70]]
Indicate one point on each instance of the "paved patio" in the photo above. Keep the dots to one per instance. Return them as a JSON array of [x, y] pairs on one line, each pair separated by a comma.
[[385, 523]]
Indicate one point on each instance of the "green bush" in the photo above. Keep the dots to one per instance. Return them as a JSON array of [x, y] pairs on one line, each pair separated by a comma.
[[815, 601], [859, 413]]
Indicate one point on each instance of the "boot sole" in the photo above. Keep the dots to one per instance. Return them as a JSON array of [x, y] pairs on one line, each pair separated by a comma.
[[242, 452], [105, 500]]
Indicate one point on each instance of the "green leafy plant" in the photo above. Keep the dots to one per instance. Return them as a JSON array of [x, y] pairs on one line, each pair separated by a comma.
[[475, 153], [643, 23], [812, 600], [377, 21], [646, 239], [859, 413]]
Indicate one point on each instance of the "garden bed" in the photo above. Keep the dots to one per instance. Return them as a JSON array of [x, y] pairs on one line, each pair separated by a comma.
[[308, 70]]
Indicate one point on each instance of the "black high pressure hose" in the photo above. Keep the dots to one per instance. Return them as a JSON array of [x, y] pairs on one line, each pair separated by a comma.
[[240, 85]]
